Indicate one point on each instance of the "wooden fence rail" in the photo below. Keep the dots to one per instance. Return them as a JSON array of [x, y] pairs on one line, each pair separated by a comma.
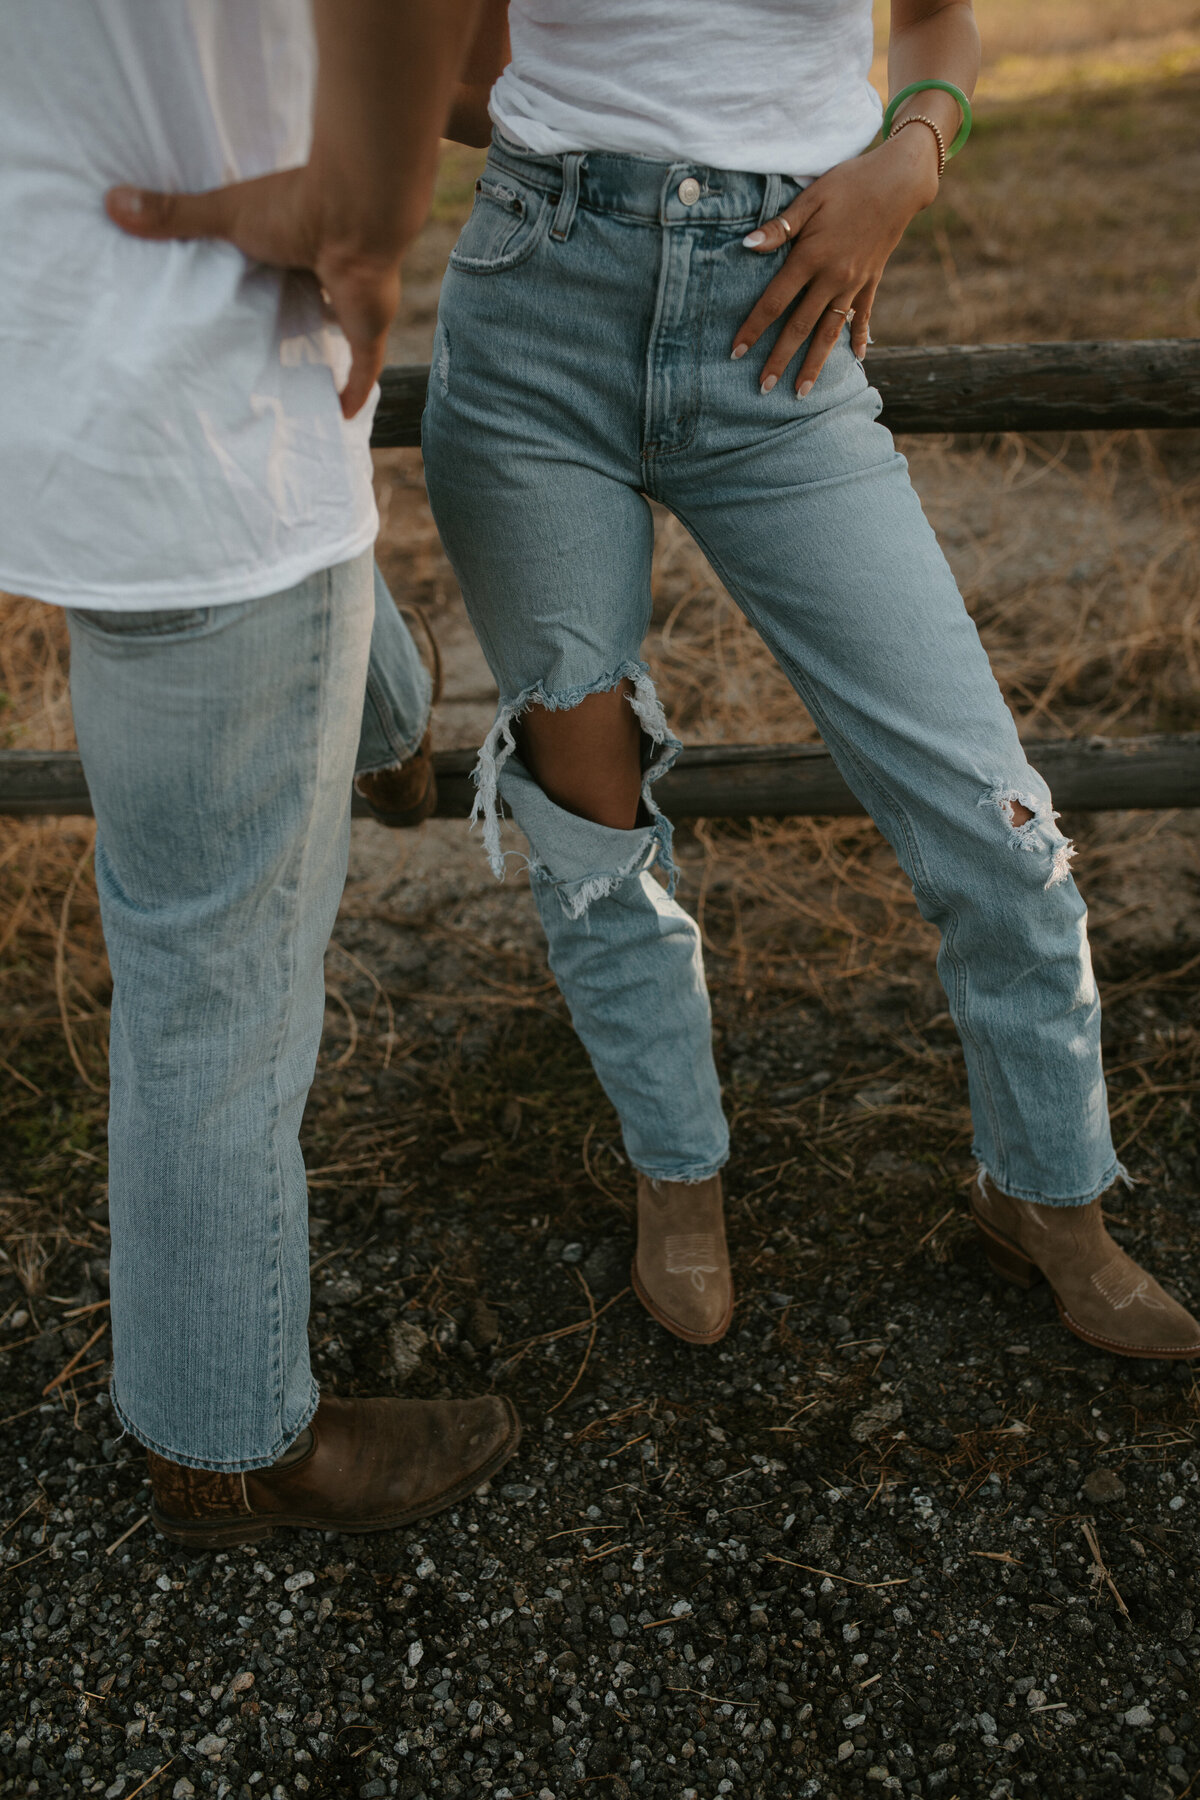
[[743, 781], [958, 387], [964, 387]]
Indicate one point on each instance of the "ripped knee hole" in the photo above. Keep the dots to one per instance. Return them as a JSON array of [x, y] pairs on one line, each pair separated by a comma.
[[1016, 813]]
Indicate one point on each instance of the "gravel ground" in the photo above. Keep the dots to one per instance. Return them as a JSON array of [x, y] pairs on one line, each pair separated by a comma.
[[898, 1534]]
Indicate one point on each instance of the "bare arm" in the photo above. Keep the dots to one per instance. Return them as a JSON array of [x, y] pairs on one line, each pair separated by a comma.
[[489, 53], [845, 226], [940, 40], [386, 73]]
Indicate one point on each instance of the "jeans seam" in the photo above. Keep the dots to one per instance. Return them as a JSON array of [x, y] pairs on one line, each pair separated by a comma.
[[654, 452], [890, 803], [275, 1298], [405, 748]]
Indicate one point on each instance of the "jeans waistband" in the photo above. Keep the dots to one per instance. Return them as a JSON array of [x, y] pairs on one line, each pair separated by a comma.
[[638, 187]]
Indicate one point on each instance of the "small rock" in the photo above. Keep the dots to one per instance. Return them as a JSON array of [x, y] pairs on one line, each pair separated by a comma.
[[517, 1490], [211, 1745], [986, 1723], [619, 1625], [405, 1343], [302, 1579], [839, 1325], [1035, 1697], [606, 1267], [1139, 1715], [879, 1093], [845, 1751], [572, 1253], [471, 1150], [876, 1419], [1103, 1487], [483, 1326], [183, 1789]]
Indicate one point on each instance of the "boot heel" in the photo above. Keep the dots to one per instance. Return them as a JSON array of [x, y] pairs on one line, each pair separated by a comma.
[[1009, 1263]]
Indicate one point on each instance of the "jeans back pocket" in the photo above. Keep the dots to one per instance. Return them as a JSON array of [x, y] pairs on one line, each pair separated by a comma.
[[151, 624]]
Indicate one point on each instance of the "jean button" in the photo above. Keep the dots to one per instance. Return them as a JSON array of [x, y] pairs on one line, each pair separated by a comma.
[[689, 191]]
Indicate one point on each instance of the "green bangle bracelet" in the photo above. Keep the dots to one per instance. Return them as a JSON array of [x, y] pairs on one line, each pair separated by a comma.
[[921, 87]]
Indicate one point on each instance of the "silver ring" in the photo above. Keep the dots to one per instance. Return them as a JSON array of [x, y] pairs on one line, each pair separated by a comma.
[[787, 229], [842, 311]]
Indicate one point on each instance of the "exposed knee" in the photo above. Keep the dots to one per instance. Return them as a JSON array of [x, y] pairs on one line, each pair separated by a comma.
[[588, 758], [1016, 813]]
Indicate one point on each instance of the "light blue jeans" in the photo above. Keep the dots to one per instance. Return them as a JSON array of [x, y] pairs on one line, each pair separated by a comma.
[[581, 367], [220, 745]]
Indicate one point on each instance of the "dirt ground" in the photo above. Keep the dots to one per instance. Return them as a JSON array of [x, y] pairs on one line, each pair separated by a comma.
[[899, 1533]]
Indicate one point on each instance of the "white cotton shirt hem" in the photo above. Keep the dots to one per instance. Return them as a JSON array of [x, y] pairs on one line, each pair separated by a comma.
[[764, 87]]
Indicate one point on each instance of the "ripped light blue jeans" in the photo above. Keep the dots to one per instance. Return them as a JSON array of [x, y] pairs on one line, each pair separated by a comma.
[[582, 367], [220, 743]]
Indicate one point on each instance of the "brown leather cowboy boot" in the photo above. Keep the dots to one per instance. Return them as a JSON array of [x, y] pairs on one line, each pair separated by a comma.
[[403, 796], [361, 1465], [1101, 1293], [681, 1272]]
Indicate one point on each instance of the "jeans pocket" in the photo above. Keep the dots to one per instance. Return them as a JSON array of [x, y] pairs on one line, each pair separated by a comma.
[[131, 626], [505, 226]]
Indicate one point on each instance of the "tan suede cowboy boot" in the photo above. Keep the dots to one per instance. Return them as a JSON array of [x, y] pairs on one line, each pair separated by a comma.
[[1101, 1293], [361, 1465], [681, 1271], [403, 796]]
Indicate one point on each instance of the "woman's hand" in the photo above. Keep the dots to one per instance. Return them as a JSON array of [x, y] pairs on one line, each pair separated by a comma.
[[844, 228]]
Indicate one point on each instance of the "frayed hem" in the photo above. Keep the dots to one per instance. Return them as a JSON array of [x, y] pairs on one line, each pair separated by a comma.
[[500, 743], [392, 766], [286, 1440], [691, 1176], [575, 899], [1117, 1172]]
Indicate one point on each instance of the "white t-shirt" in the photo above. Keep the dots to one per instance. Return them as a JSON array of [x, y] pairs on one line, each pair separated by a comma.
[[170, 432], [769, 86]]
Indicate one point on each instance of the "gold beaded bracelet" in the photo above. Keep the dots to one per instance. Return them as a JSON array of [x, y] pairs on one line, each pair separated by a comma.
[[920, 119]]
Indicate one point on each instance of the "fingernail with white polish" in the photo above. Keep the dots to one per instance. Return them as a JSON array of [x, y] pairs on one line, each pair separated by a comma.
[[738, 351], [127, 199], [805, 389], [768, 384], [753, 239]]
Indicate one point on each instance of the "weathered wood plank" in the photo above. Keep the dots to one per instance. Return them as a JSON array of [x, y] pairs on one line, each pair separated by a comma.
[[1103, 386], [743, 781]]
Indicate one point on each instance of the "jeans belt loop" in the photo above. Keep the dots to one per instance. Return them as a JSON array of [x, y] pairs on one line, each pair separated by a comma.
[[568, 200], [772, 195]]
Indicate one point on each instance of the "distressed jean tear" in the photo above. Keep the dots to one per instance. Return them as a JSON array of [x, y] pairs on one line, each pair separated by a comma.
[[579, 890], [1036, 835]]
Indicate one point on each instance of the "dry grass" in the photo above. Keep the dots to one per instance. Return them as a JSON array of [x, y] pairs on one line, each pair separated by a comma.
[[1080, 560]]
